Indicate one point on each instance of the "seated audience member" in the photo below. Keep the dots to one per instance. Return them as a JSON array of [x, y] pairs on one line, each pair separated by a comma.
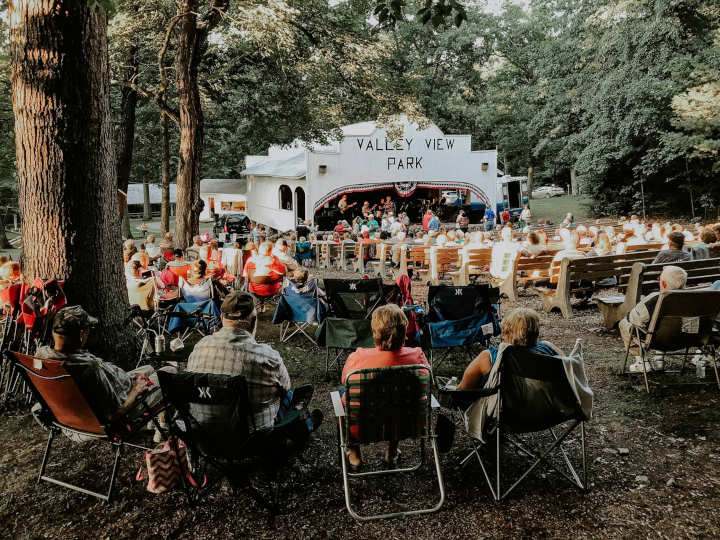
[[299, 280], [266, 270], [10, 274], [233, 351], [153, 251], [675, 252], [280, 252], [389, 326], [521, 327], [193, 252], [110, 389], [168, 244], [701, 250], [302, 247], [672, 278], [178, 259], [252, 248], [395, 252], [570, 252], [534, 248], [583, 236]]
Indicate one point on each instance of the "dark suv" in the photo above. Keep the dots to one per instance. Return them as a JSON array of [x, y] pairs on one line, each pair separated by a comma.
[[232, 223]]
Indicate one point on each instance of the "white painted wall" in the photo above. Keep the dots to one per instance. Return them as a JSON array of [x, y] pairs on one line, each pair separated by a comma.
[[264, 201], [219, 199]]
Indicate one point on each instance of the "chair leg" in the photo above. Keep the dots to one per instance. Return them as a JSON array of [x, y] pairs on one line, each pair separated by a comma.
[[46, 456], [584, 455], [113, 477], [642, 360], [714, 359]]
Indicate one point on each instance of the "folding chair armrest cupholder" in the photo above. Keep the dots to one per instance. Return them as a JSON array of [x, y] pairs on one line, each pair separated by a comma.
[[475, 393]]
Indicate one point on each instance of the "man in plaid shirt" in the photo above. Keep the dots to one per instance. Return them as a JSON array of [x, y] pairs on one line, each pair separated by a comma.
[[233, 351]]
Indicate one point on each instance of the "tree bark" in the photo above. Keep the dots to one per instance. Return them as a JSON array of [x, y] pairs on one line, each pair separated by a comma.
[[187, 218], [165, 207], [573, 181], [530, 182], [126, 131], [66, 160], [147, 210]]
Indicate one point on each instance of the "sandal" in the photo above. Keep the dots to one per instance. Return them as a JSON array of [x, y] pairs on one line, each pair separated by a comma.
[[353, 468]]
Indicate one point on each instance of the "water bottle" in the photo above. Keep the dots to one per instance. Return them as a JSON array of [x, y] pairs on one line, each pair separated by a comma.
[[451, 384]]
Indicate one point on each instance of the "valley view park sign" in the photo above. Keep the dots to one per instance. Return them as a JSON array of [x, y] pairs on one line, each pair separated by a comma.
[[366, 159]]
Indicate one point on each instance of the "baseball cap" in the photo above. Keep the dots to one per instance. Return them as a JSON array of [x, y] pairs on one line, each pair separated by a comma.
[[238, 305], [71, 320]]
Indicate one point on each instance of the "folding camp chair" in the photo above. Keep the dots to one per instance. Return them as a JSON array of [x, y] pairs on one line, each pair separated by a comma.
[[202, 292], [387, 404], [683, 320], [261, 299], [459, 316], [533, 396], [190, 317], [298, 308], [66, 409], [219, 429], [354, 298], [345, 336]]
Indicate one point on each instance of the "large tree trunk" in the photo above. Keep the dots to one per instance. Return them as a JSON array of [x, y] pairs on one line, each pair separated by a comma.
[[573, 182], [530, 182], [187, 218], [126, 132], [165, 184], [66, 159]]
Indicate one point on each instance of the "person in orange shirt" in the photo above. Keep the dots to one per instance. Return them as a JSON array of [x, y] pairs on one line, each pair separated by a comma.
[[426, 219], [389, 327]]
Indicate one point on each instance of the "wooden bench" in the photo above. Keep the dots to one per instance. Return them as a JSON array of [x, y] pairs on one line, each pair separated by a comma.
[[472, 265], [442, 261], [379, 266], [330, 252], [643, 278], [571, 272], [348, 250], [418, 258]]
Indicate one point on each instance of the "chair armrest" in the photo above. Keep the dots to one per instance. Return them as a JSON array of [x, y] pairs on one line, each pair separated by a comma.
[[337, 404], [475, 393], [434, 402]]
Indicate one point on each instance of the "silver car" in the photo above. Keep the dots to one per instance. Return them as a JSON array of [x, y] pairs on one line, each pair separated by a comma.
[[545, 192]]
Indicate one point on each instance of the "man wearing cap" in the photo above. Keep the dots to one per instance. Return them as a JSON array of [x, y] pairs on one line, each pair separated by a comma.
[[110, 389], [233, 351]]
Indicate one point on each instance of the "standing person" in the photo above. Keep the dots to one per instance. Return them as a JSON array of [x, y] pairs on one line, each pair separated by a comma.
[[389, 206], [144, 229], [302, 230], [525, 216], [405, 220], [434, 223], [462, 221], [489, 219], [426, 219]]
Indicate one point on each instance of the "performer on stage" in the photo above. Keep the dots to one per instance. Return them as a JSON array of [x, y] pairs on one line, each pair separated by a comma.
[[342, 205], [389, 205]]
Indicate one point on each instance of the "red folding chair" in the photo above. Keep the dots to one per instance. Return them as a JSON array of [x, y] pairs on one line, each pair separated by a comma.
[[65, 408]]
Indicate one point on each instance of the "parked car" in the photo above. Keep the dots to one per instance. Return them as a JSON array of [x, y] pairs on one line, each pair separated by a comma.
[[545, 192], [232, 223]]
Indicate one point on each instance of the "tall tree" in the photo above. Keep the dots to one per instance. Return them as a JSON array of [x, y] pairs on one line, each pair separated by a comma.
[[65, 157], [126, 129]]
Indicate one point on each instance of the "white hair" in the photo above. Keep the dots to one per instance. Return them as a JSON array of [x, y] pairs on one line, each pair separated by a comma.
[[401, 236], [264, 248], [674, 277]]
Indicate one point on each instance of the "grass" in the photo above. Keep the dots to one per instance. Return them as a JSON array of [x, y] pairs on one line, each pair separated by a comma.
[[556, 208]]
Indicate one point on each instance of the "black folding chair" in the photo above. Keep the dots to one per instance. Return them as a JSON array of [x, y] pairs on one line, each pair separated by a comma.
[[533, 396], [354, 298], [219, 429]]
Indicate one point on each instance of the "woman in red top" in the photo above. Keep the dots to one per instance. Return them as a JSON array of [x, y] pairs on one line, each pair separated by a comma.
[[389, 326]]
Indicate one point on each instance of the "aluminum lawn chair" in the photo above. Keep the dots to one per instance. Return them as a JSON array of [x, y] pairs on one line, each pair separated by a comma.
[[387, 404], [66, 409], [683, 321], [219, 429], [194, 317], [533, 396], [299, 308]]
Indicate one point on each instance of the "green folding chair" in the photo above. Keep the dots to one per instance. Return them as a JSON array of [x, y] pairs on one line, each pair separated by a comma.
[[382, 405]]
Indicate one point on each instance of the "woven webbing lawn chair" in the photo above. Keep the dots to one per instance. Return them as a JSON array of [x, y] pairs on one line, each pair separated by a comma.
[[64, 409], [219, 429], [382, 405], [534, 395], [683, 321]]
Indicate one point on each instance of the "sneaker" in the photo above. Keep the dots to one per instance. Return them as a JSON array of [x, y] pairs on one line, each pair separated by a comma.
[[315, 420], [637, 367], [158, 437]]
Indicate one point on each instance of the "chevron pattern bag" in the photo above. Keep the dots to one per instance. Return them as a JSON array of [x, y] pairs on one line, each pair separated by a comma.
[[163, 467]]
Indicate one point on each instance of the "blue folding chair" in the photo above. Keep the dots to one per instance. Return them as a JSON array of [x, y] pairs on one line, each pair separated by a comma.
[[299, 307], [189, 317], [459, 317]]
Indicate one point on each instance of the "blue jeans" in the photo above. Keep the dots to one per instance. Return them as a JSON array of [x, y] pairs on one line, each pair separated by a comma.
[[488, 226]]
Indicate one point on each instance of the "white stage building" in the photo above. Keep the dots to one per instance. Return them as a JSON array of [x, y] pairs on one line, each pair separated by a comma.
[[299, 182], [222, 196]]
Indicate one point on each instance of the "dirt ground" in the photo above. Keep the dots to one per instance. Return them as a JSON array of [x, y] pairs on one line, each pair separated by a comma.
[[666, 486]]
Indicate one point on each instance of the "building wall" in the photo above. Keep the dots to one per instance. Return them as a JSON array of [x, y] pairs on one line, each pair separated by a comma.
[[219, 199], [263, 201]]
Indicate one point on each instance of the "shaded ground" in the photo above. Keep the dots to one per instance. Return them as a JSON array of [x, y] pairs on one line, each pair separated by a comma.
[[672, 437]]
